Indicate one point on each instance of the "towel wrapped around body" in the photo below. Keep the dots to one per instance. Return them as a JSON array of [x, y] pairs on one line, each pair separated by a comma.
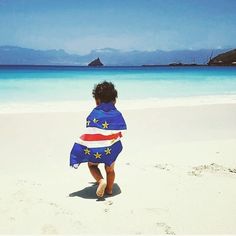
[[101, 143]]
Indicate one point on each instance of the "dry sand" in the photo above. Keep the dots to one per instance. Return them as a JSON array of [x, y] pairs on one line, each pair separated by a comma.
[[176, 174]]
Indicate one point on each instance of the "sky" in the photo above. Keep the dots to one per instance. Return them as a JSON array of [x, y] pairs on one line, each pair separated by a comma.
[[81, 26]]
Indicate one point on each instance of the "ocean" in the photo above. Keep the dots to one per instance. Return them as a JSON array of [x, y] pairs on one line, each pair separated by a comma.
[[45, 84]]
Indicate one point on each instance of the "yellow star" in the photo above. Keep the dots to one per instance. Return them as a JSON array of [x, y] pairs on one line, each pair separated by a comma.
[[87, 122], [108, 151], [95, 120], [86, 151], [97, 155], [105, 125]]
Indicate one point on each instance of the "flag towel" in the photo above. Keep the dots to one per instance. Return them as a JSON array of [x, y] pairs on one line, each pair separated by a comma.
[[101, 142]]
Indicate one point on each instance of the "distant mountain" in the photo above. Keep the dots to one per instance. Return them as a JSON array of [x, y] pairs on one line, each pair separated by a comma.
[[116, 57], [224, 59], [109, 56], [18, 55]]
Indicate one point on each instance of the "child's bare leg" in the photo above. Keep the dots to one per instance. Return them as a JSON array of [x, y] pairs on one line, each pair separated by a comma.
[[110, 177], [94, 170], [96, 173]]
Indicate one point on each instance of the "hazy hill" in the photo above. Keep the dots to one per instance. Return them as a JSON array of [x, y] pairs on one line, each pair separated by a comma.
[[116, 57], [224, 59], [108, 56], [18, 55]]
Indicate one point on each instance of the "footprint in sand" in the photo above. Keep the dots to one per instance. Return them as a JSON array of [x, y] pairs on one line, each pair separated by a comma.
[[26, 182], [232, 170], [162, 167], [53, 204], [212, 168], [58, 209], [166, 228], [108, 203], [106, 210]]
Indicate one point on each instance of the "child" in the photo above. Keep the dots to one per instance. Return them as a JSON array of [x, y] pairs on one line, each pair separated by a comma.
[[101, 143]]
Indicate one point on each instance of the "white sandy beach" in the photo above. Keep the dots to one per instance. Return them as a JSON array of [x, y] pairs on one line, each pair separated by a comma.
[[176, 174]]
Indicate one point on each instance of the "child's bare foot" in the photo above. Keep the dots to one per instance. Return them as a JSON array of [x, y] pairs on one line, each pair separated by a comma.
[[108, 191], [101, 188]]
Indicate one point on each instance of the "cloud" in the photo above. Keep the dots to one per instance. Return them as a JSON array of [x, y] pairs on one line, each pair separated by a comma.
[[87, 43]]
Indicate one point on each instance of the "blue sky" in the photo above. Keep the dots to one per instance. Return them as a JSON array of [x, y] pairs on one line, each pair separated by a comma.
[[81, 26]]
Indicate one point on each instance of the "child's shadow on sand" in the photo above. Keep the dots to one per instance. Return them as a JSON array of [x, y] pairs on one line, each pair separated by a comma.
[[90, 192]]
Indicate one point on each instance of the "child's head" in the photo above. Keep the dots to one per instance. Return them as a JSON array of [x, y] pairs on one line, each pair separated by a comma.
[[104, 92]]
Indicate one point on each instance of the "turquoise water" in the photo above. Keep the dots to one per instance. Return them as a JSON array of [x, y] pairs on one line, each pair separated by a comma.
[[23, 84]]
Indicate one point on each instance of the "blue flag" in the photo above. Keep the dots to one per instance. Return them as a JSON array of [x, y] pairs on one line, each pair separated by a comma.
[[101, 143]]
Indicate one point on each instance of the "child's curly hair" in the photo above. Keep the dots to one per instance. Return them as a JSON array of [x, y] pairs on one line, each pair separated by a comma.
[[105, 92]]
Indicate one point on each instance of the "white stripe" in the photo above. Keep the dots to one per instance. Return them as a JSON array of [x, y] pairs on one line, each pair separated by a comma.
[[97, 144], [94, 130]]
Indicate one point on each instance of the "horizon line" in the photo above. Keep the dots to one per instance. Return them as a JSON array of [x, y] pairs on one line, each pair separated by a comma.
[[115, 49]]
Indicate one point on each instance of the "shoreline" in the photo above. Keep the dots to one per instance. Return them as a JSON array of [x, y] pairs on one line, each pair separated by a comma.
[[111, 66], [134, 104]]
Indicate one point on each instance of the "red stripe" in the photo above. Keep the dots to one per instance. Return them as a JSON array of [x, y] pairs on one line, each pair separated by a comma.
[[100, 137]]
